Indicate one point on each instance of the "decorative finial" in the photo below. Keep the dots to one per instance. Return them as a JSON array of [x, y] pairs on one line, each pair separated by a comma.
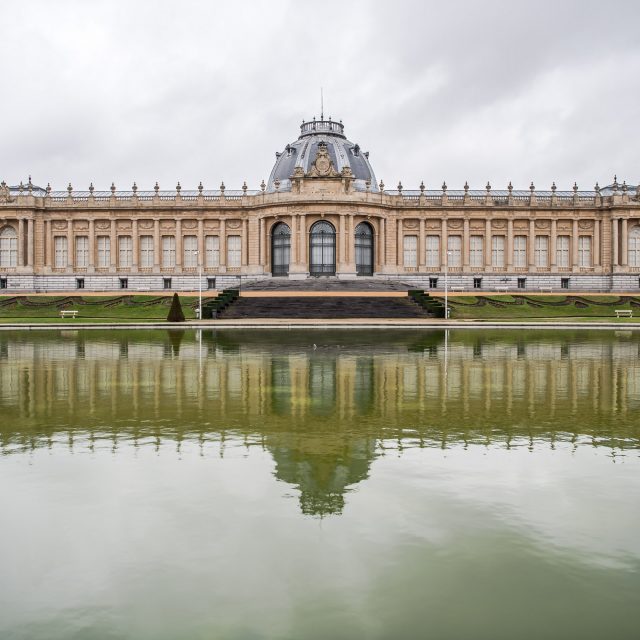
[[200, 188], [263, 186], [113, 188], [134, 188], [381, 185], [510, 187], [597, 188], [69, 188], [178, 187], [91, 188], [400, 187], [21, 187], [444, 187], [575, 187], [488, 187], [532, 187], [553, 187], [244, 187], [222, 187], [624, 186], [466, 187], [421, 187], [30, 184], [276, 184], [48, 189], [367, 184], [156, 187]]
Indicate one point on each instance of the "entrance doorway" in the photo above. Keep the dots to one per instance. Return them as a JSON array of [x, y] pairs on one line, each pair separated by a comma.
[[322, 245], [364, 249], [280, 249]]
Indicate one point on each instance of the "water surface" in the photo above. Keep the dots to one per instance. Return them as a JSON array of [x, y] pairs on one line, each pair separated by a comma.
[[237, 484]]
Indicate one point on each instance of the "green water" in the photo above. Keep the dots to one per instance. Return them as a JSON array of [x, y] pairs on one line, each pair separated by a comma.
[[246, 484]]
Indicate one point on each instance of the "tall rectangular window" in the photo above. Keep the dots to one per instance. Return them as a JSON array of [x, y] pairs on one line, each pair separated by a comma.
[[168, 252], [212, 251], [190, 251], [82, 252], [542, 251], [410, 249], [234, 251], [633, 247], [8, 247], [476, 251], [125, 251], [584, 251], [497, 251], [454, 251], [520, 251], [60, 249], [104, 251], [146, 252], [433, 251], [562, 251]]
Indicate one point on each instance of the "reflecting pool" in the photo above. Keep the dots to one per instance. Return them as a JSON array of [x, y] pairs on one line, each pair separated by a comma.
[[319, 484]]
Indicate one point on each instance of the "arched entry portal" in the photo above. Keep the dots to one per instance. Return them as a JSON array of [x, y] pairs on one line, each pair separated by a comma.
[[280, 249], [322, 249], [364, 249]]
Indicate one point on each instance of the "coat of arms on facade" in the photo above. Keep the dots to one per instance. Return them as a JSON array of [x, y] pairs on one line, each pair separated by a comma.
[[322, 166], [4, 192]]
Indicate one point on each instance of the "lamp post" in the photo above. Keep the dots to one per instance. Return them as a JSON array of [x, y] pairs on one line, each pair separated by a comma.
[[446, 285], [199, 285]]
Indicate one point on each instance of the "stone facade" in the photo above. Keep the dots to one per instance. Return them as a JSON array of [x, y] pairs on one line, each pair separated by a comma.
[[581, 240]]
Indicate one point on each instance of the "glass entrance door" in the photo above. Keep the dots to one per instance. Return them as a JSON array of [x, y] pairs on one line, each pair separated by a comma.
[[322, 245], [280, 249], [364, 249]]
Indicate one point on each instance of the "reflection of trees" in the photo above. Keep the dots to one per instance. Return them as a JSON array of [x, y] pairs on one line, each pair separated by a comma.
[[322, 413]]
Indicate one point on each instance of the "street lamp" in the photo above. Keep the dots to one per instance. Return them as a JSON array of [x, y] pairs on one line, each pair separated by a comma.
[[199, 285], [446, 285]]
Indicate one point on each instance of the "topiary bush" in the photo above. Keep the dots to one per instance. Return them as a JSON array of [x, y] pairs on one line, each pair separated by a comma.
[[175, 313]]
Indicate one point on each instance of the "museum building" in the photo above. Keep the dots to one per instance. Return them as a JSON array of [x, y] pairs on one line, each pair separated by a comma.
[[322, 213]]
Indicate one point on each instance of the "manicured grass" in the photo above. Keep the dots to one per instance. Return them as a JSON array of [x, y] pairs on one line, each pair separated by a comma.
[[523, 307], [128, 308]]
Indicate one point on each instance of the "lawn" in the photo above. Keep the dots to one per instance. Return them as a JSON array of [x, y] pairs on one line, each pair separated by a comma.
[[523, 307], [128, 308]]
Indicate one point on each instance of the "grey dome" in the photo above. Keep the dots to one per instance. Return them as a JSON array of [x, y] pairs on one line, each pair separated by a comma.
[[302, 153]]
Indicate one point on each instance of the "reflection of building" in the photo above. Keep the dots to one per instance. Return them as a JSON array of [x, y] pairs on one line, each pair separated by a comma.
[[321, 213], [324, 414]]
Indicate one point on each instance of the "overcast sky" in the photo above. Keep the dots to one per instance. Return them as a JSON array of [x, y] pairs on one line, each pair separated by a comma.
[[146, 90]]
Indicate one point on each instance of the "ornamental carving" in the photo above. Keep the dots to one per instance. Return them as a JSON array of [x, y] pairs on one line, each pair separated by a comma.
[[564, 226], [80, 225], [4, 193], [521, 225], [477, 224], [411, 224], [145, 224], [233, 224], [454, 224], [542, 224], [103, 224], [189, 224], [167, 224], [322, 166], [499, 224], [585, 224], [433, 224], [59, 224], [211, 224], [124, 225]]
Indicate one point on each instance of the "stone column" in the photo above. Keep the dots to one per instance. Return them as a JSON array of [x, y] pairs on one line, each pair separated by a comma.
[[30, 243], [596, 243], [382, 244], [223, 243], [574, 245], [178, 244], [466, 242], [113, 245], [70, 246], [532, 245], [261, 244], [92, 244], [399, 247], [244, 259], [303, 242], [625, 246], [134, 245], [21, 241], [422, 254], [487, 242], [46, 244], [444, 242], [509, 244], [614, 242], [552, 244], [201, 248], [342, 243], [156, 245]]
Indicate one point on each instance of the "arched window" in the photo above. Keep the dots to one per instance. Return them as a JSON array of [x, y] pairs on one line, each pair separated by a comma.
[[364, 249], [322, 245], [280, 249], [633, 247], [8, 247]]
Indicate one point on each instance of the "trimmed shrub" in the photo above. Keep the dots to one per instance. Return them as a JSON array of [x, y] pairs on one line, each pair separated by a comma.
[[175, 313]]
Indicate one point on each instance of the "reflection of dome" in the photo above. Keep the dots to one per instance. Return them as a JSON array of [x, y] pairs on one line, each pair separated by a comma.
[[302, 153]]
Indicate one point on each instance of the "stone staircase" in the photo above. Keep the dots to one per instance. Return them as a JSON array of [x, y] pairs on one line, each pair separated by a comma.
[[323, 307]]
